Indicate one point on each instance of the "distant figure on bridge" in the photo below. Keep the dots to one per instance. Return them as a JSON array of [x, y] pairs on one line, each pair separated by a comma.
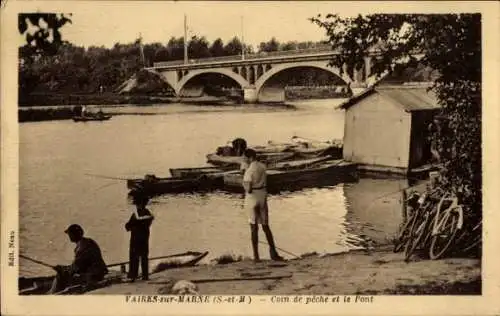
[[84, 109]]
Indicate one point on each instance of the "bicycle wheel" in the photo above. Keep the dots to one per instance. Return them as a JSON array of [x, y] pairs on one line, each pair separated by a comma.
[[403, 234], [414, 242], [446, 234], [414, 225]]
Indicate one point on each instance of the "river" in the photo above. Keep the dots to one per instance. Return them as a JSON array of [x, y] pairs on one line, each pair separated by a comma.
[[61, 163]]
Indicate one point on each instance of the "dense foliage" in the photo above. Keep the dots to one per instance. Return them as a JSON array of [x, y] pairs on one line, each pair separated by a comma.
[[41, 31], [74, 69], [448, 43]]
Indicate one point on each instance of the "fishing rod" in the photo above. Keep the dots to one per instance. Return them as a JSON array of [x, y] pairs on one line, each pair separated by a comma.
[[105, 177], [37, 261]]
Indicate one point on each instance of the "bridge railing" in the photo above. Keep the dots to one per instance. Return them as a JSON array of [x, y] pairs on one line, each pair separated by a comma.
[[260, 55]]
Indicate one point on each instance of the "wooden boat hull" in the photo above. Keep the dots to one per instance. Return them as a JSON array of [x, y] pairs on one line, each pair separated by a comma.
[[331, 151], [87, 119], [197, 172], [235, 161], [323, 174], [158, 186], [41, 285]]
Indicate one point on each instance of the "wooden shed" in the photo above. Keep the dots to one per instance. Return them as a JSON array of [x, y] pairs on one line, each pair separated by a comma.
[[386, 127]]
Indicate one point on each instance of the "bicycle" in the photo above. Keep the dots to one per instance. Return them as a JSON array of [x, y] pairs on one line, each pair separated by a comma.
[[419, 232], [446, 225]]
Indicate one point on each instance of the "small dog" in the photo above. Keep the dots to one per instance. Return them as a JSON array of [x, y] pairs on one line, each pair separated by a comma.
[[181, 287]]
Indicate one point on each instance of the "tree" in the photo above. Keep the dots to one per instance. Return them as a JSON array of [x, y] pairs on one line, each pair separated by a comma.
[[46, 37], [43, 41], [233, 47], [270, 46], [448, 43], [289, 46], [175, 48], [217, 48], [198, 47]]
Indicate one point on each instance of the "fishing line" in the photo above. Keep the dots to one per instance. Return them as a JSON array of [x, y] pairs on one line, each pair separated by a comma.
[[288, 252]]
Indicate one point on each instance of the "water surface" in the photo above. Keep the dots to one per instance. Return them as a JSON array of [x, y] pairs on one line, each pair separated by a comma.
[[58, 159]]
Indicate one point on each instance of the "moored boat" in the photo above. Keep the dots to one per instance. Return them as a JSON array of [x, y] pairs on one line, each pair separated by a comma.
[[235, 161], [117, 272], [152, 185], [322, 173], [197, 171]]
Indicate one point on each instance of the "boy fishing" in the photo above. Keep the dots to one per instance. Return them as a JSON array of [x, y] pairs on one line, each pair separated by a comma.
[[138, 225]]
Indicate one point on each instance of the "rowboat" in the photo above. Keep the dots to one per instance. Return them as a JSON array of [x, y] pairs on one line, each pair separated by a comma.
[[197, 171], [318, 151], [91, 118], [116, 274], [158, 186], [235, 161], [161, 263], [319, 174]]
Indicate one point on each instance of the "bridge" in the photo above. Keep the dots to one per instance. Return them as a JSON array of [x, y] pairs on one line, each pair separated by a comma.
[[252, 72]]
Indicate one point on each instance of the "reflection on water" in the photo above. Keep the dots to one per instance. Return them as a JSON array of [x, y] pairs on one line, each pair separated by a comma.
[[56, 189]]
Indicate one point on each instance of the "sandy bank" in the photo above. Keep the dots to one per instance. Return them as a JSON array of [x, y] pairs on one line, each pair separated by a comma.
[[356, 272]]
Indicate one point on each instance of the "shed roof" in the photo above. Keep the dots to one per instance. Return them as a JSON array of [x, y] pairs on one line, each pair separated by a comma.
[[409, 97]]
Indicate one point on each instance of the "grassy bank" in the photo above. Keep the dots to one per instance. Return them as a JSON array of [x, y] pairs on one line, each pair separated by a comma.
[[35, 115], [85, 99]]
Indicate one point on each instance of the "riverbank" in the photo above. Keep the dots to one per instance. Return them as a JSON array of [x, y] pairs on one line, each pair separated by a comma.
[[95, 99], [359, 272], [67, 112]]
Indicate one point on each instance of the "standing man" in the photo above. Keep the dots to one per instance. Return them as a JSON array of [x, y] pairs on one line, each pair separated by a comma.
[[88, 267], [254, 183], [138, 225]]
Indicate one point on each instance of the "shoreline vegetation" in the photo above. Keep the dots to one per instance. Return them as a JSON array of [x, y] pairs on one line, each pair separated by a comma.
[[48, 107]]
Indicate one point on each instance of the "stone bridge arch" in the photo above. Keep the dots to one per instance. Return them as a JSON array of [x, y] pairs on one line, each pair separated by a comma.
[[223, 71], [312, 64]]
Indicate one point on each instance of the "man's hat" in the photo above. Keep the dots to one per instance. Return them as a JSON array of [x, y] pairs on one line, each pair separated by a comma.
[[74, 229]]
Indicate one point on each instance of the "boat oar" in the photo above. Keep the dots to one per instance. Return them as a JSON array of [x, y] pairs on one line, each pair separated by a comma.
[[154, 258], [37, 261]]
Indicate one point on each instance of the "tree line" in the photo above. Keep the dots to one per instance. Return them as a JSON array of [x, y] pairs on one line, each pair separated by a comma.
[[68, 68]]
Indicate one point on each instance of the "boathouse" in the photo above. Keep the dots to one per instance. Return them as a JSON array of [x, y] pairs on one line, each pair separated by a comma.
[[386, 127]]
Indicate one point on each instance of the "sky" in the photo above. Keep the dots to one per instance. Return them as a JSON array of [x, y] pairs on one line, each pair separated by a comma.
[[158, 21], [104, 23]]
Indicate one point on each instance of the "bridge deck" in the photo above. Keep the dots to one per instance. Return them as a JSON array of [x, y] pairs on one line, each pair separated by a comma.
[[247, 59]]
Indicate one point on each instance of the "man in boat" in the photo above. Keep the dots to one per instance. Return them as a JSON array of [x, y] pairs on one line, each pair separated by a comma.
[[239, 146], [254, 183], [138, 225], [87, 268]]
